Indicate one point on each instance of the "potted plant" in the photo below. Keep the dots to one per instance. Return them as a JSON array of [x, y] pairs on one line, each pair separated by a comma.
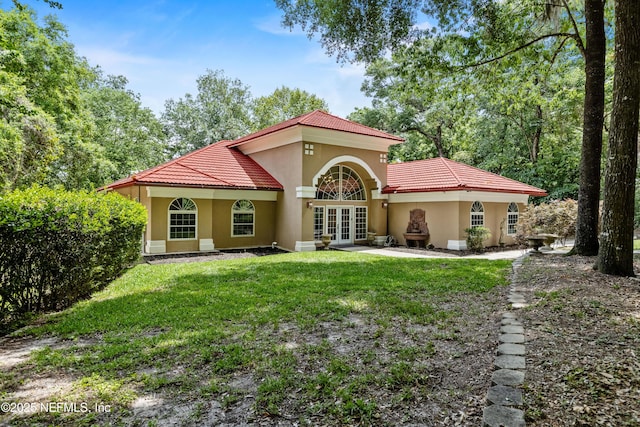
[[326, 240]]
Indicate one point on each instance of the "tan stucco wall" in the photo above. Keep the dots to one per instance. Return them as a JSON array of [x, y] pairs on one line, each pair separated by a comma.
[[293, 168], [441, 217], [325, 153], [494, 213], [214, 222], [448, 220], [265, 214], [285, 164], [323, 159]]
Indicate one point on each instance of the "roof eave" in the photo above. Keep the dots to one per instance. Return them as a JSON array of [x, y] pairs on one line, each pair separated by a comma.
[[174, 184], [400, 190]]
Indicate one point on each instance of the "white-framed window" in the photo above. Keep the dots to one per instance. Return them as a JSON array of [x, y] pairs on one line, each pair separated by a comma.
[[318, 222], [477, 214], [341, 183], [512, 218], [183, 219], [242, 219], [361, 222]]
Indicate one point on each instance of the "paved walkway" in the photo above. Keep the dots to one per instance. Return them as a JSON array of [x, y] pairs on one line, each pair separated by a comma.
[[408, 253]]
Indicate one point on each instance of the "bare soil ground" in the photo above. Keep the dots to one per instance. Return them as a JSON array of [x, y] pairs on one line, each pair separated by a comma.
[[583, 344]]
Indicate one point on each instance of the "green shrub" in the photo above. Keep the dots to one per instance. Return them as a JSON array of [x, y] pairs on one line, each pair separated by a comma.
[[556, 217], [57, 247], [476, 237]]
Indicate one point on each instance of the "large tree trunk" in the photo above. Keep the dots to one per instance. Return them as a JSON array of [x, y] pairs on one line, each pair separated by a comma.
[[589, 193], [616, 251]]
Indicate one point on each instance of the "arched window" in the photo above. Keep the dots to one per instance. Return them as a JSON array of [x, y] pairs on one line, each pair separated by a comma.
[[477, 215], [512, 218], [183, 219], [341, 183], [242, 218]]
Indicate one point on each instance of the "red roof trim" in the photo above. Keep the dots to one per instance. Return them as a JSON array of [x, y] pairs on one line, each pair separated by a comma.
[[214, 166], [322, 120], [441, 174]]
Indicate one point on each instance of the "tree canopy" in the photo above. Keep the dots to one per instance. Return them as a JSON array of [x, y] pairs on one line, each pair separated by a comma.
[[500, 46], [283, 104], [225, 109], [64, 122]]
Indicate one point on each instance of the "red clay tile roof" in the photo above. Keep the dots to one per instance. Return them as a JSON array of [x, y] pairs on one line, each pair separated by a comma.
[[215, 166], [442, 174], [320, 119]]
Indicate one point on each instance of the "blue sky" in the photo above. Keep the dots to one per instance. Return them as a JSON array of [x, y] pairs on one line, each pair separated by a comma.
[[162, 46]]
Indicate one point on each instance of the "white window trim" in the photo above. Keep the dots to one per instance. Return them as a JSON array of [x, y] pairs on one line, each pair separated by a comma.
[[352, 172], [253, 223], [347, 159], [472, 214], [355, 222], [324, 221], [516, 214], [181, 212]]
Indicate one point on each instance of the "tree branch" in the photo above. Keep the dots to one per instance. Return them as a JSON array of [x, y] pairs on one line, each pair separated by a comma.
[[557, 51], [577, 37], [521, 47], [415, 128]]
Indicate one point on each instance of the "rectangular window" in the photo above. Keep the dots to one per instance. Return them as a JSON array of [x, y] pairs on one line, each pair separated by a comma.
[[512, 220], [361, 222], [182, 226], [345, 224], [477, 219], [332, 222], [318, 222], [243, 224]]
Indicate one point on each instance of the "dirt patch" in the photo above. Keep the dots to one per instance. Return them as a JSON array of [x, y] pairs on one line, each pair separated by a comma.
[[583, 344], [212, 256], [433, 251]]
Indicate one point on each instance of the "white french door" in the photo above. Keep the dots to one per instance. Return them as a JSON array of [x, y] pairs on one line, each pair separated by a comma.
[[340, 224]]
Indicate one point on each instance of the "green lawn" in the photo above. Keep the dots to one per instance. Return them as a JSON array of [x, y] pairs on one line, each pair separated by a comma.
[[299, 333]]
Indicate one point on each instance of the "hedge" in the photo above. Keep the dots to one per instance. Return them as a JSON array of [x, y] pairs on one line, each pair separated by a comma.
[[57, 246]]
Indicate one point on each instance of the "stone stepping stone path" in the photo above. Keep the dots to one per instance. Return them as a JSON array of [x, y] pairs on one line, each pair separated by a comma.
[[504, 397]]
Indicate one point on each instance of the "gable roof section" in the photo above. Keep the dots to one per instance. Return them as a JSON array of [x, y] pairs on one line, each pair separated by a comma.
[[442, 174], [214, 166], [323, 120]]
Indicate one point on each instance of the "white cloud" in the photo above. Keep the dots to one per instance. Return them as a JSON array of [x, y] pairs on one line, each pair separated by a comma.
[[272, 24], [111, 58], [317, 55], [352, 70]]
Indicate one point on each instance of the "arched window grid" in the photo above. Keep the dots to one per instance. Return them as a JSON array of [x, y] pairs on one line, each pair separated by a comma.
[[183, 219], [477, 214], [341, 183], [243, 219]]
